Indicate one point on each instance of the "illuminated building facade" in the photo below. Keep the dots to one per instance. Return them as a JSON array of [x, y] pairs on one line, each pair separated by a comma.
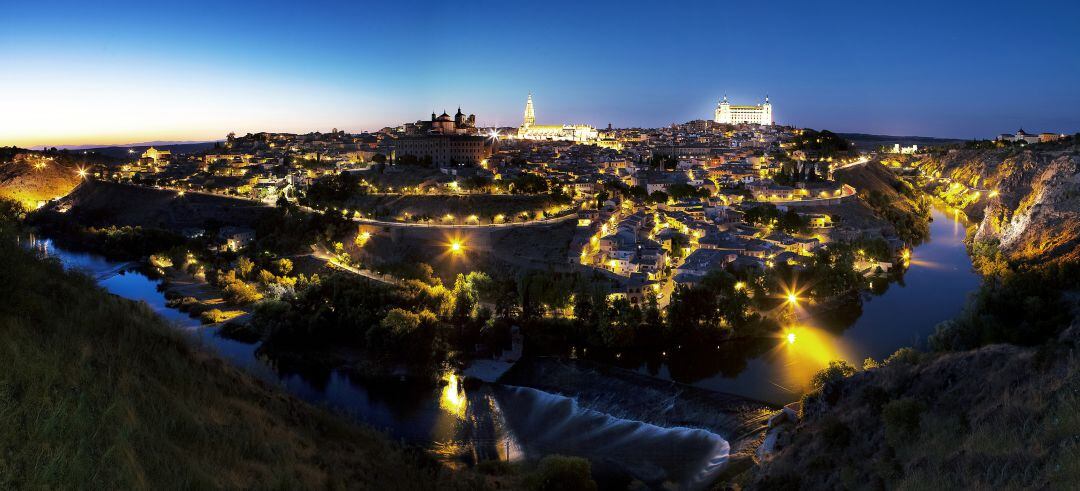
[[529, 130], [726, 113]]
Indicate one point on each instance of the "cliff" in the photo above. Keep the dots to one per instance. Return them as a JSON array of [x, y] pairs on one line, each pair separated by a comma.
[[1028, 201]]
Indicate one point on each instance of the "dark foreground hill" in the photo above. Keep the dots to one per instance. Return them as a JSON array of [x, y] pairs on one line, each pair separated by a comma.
[[97, 393]]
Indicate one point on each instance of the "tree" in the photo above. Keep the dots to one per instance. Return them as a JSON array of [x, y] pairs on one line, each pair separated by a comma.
[[240, 293], [244, 267], [284, 266]]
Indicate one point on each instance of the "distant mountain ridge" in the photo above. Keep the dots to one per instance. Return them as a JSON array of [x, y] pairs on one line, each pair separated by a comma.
[[865, 141], [125, 151], [156, 143]]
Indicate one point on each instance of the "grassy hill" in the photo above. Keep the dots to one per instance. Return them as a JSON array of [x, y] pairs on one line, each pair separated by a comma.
[[999, 417], [96, 392]]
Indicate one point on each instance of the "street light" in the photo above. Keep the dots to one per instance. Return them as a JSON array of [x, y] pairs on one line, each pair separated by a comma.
[[456, 247]]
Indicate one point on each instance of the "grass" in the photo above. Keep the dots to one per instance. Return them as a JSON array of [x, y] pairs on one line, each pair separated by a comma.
[[97, 392], [996, 418]]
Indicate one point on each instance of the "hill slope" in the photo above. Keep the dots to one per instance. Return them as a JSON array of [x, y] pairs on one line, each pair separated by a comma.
[[999, 417], [29, 177], [96, 392]]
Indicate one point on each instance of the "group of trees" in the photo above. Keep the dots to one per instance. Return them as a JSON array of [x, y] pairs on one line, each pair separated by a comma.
[[767, 214], [414, 324], [824, 144], [793, 171], [333, 190]]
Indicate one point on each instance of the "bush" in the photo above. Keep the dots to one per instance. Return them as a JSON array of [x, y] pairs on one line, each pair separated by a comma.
[[560, 472], [239, 293], [837, 370], [213, 316], [901, 418], [835, 433], [904, 355]]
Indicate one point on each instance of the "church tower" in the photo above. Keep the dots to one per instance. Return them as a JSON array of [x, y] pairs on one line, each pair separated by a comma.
[[530, 117], [766, 112]]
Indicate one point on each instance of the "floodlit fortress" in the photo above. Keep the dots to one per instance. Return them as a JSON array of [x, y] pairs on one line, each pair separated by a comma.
[[727, 113], [529, 130]]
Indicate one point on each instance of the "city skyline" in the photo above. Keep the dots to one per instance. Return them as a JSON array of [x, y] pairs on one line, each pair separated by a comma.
[[78, 76]]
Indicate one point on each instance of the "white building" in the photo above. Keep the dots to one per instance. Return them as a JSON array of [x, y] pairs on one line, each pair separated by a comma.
[[727, 113]]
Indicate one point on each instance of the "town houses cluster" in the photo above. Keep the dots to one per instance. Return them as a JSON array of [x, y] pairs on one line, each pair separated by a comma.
[[654, 207]]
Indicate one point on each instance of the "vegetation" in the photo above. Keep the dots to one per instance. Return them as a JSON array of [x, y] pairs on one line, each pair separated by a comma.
[[823, 144], [1021, 305], [96, 392]]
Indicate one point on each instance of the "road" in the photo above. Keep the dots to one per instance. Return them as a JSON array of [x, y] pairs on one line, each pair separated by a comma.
[[862, 160]]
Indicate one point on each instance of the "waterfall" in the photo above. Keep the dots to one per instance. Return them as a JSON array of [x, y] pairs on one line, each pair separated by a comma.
[[541, 423]]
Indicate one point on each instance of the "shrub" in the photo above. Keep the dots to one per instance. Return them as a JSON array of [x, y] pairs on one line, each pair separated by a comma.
[[901, 418], [239, 293], [213, 316], [560, 472], [837, 370], [835, 433], [904, 355]]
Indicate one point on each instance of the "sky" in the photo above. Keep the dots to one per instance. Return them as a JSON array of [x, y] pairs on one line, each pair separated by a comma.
[[77, 72]]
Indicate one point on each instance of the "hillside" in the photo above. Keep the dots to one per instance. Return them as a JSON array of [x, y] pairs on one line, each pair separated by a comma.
[[106, 203], [890, 197], [31, 177], [96, 392], [999, 417]]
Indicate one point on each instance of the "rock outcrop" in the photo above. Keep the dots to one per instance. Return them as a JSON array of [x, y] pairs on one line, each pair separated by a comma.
[[1030, 199]]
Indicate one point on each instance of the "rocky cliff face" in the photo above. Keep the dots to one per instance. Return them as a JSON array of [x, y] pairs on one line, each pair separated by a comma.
[[1030, 199]]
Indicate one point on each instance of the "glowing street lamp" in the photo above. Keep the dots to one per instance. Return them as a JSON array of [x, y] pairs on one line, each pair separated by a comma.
[[81, 172], [792, 298], [791, 338], [456, 247]]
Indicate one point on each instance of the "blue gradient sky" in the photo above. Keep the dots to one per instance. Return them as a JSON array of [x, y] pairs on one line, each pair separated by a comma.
[[113, 72]]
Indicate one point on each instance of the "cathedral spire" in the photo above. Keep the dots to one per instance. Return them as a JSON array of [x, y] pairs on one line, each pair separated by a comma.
[[530, 116]]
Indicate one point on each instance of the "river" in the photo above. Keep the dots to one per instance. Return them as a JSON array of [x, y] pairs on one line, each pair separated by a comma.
[[510, 423]]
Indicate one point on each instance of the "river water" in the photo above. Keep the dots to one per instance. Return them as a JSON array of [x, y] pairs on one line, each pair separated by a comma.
[[510, 423]]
